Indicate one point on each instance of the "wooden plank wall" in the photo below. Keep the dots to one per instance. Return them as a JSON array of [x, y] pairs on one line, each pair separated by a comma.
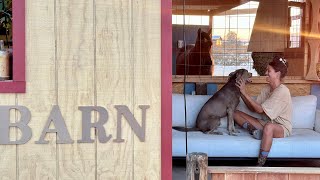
[[264, 176], [89, 53], [263, 173]]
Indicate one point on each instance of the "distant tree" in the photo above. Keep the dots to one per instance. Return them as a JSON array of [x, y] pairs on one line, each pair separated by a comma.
[[232, 36], [232, 52]]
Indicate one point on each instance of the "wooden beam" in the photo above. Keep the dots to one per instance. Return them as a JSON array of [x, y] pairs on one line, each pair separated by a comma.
[[199, 12], [205, 2], [224, 79], [211, 9], [297, 4], [191, 12], [215, 12]]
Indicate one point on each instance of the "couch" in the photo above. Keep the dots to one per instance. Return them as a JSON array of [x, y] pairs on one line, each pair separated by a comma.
[[303, 143]]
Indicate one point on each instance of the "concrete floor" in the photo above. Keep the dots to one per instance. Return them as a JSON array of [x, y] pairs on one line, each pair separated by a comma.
[[179, 165]]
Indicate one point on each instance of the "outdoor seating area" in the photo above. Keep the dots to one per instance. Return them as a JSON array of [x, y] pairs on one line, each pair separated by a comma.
[[303, 143]]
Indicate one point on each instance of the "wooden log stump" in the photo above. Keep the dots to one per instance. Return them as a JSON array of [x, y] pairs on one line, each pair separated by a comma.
[[197, 166]]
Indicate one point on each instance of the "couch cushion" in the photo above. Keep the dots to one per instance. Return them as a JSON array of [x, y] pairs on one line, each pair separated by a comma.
[[304, 110], [193, 106], [303, 143], [317, 123]]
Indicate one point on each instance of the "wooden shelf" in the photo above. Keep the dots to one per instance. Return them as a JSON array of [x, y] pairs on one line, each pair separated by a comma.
[[224, 79]]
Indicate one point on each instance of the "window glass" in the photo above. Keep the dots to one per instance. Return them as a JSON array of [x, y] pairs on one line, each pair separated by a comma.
[[235, 32]]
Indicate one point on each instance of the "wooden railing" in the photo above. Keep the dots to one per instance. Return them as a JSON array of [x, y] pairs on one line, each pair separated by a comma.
[[263, 173]]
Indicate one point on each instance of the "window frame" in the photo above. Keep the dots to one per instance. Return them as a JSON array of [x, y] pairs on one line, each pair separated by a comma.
[[18, 82], [302, 6], [166, 89]]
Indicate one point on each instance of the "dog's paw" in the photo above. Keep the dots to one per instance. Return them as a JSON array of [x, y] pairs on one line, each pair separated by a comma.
[[232, 134], [236, 131], [214, 132], [218, 133]]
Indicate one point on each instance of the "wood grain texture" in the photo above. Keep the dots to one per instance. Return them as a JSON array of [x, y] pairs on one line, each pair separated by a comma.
[[146, 86], [304, 176], [115, 85], [39, 161], [104, 53], [263, 176], [255, 89], [307, 28], [8, 153], [224, 79], [263, 170], [75, 69], [270, 27], [244, 176], [218, 176], [272, 176]]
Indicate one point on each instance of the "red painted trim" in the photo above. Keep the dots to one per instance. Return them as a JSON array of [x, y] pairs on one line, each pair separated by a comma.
[[166, 90], [18, 84], [19, 40], [12, 86]]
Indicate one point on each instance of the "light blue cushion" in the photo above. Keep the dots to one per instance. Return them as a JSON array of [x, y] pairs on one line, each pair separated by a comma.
[[303, 143], [315, 90], [193, 106], [304, 110]]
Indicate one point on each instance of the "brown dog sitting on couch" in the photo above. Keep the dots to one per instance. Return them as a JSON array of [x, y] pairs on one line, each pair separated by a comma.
[[198, 57], [222, 103]]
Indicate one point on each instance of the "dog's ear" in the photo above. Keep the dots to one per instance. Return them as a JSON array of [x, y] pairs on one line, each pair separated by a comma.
[[232, 73], [199, 31], [239, 75], [199, 35], [210, 32]]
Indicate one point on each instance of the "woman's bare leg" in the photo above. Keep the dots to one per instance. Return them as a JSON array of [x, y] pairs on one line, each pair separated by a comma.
[[240, 118], [270, 131]]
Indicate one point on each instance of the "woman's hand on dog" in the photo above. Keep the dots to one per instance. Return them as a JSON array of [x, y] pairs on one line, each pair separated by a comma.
[[241, 84]]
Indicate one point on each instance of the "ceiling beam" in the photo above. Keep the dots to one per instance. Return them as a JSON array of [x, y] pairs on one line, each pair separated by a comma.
[[201, 12], [212, 10], [205, 2], [215, 12]]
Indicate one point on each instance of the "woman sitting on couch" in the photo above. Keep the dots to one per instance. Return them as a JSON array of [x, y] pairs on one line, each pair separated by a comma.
[[274, 102]]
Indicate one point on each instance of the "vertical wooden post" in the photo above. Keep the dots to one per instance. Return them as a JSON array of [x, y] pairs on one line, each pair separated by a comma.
[[197, 166]]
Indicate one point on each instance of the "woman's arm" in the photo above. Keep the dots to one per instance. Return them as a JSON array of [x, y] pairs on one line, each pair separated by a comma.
[[251, 104]]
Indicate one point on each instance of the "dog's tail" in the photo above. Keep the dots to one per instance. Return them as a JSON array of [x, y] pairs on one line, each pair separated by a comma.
[[179, 128]]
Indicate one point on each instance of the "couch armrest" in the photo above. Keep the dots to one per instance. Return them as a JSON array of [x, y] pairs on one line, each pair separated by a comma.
[[317, 122]]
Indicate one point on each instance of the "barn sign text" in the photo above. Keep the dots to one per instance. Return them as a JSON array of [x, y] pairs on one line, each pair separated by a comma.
[[61, 130]]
